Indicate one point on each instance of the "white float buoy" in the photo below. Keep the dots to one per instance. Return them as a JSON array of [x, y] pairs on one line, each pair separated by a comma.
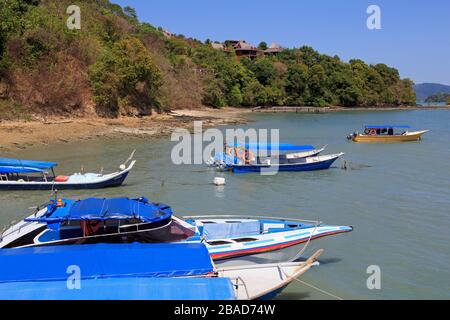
[[219, 181]]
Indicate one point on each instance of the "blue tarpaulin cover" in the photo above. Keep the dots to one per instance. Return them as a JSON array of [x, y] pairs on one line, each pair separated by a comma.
[[104, 261], [106, 209], [122, 289], [386, 126], [8, 162], [6, 169]]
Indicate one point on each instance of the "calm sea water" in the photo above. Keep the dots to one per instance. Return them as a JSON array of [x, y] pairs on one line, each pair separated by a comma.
[[397, 196]]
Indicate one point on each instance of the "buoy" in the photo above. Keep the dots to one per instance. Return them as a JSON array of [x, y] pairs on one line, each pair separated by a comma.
[[122, 167], [219, 181]]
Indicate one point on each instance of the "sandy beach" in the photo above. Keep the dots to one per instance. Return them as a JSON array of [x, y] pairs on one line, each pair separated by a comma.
[[16, 135]]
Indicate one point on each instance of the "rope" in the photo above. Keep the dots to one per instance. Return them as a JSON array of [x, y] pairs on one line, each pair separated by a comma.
[[318, 289], [299, 254]]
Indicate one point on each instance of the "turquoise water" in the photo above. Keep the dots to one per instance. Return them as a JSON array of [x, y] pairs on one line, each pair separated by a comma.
[[397, 196]]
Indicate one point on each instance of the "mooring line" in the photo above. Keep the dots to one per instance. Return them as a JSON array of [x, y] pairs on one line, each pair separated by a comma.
[[318, 289]]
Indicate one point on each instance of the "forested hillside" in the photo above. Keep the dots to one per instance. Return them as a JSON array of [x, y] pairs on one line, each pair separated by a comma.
[[116, 65]]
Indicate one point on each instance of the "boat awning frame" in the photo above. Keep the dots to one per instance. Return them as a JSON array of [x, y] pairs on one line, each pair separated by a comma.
[[387, 126], [269, 146]]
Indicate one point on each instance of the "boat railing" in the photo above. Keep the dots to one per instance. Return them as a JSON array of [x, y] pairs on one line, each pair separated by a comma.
[[239, 282], [316, 222]]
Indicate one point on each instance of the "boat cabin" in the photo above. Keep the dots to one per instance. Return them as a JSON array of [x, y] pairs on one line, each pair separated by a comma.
[[388, 130]]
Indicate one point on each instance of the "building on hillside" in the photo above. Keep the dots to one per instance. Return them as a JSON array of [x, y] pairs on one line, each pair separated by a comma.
[[273, 50], [244, 49], [217, 46]]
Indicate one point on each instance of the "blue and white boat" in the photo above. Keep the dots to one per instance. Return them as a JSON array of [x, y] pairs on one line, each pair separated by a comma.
[[116, 220], [17, 174], [179, 271], [281, 153], [245, 158], [257, 238], [123, 220], [320, 162]]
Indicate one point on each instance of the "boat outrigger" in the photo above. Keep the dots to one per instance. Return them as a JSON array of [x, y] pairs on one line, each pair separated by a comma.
[[240, 159], [386, 133], [122, 220], [135, 271], [16, 174]]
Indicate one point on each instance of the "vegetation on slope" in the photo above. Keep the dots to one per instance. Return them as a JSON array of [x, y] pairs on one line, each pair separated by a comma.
[[439, 97], [116, 65]]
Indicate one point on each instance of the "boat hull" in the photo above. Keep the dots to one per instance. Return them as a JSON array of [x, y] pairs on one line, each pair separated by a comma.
[[278, 251], [412, 136], [111, 182], [303, 166]]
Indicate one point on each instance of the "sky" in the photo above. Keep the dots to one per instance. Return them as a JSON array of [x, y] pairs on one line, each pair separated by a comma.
[[414, 35]]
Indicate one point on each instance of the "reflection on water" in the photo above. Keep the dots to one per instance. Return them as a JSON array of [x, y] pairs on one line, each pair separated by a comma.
[[397, 197]]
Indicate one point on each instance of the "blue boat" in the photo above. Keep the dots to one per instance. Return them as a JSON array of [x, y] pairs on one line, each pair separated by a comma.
[[123, 220], [17, 174], [285, 153], [136, 271], [94, 220], [320, 162]]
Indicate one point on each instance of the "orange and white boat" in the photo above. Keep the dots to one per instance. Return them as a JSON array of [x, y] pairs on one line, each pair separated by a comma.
[[386, 133]]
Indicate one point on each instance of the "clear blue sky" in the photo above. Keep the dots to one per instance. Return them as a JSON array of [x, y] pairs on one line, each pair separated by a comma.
[[415, 34]]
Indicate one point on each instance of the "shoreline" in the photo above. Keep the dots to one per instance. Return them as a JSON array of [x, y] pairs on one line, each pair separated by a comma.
[[307, 109], [21, 135]]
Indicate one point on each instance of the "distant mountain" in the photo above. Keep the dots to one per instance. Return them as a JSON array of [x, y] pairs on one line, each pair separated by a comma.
[[424, 90]]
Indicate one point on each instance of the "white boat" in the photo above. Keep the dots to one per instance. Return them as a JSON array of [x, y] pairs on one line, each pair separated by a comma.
[[17, 174], [265, 281]]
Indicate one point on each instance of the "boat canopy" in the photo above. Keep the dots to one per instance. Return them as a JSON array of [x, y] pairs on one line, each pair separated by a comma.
[[104, 209], [386, 126], [43, 165], [12, 169], [274, 146], [105, 261], [123, 289]]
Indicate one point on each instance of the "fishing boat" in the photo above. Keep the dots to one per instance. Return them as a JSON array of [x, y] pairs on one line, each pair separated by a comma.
[[137, 271], [93, 220], [386, 133], [281, 153], [17, 174], [320, 162], [118, 220], [257, 238]]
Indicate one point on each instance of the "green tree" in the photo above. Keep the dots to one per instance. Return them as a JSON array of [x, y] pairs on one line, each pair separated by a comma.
[[213, 95], [263, 70], [254, 94], [130, 13], [125, 76], [316, 82], [297, 84], [262, 45], [235, 97]]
